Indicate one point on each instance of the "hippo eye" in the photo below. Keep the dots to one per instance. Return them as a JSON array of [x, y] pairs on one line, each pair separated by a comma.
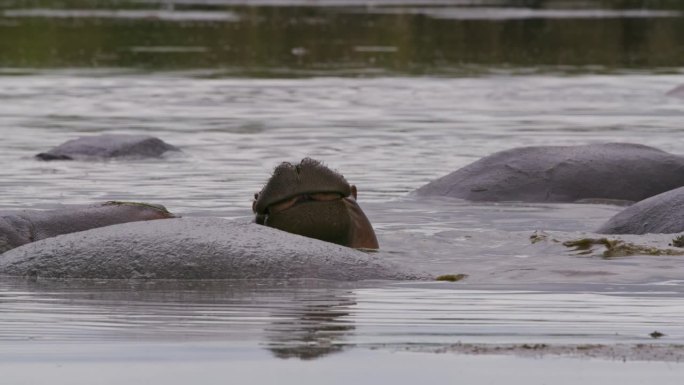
[[325, 196], [282, 205]]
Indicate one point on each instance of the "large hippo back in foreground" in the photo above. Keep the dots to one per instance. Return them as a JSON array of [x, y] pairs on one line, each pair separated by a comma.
[[610, 171], [193, 248]]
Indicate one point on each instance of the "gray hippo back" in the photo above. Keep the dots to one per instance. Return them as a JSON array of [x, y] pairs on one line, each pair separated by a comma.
[[663, 213], [677, 92], [609, 171], [194, 248], [19, 227], [109, 146]]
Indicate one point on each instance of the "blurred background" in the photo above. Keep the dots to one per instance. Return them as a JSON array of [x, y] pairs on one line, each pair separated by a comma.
[[289, 38]]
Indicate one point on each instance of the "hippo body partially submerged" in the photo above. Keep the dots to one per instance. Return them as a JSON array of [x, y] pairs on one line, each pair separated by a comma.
[[306, 199], [109, 146], [193, 248], [611, 171], [24, 226], [663, 213]]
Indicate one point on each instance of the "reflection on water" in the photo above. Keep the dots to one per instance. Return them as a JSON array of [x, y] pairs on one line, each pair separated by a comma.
[[122, 14], [316, 329], [312, 319], [231, 311]]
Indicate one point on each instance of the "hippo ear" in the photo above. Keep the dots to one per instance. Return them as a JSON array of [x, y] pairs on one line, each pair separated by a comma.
[[353, 191], [256, 196]]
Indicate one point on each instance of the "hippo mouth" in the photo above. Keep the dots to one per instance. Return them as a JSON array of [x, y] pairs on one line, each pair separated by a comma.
[[301, 199]]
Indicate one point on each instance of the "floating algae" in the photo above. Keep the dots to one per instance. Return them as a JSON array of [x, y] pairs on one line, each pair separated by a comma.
[[616, 248], [678, 241], [451, 277]]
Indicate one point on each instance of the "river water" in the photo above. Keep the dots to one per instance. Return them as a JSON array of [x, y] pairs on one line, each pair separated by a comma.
[[390, 113]]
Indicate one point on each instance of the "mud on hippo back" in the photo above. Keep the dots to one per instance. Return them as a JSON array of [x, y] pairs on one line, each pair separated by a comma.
[[609, 171]]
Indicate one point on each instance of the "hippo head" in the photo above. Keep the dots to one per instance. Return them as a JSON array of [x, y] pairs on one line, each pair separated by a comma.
[[312, 200]]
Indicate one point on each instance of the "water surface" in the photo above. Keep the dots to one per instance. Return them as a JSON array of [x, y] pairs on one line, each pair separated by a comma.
[[392, 95]]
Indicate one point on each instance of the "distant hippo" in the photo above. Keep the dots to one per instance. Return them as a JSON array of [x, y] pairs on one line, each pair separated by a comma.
[[601, 172], [677, 91], [24, 226], [194, 248], [311, 200], [663, 213], [109, 146]]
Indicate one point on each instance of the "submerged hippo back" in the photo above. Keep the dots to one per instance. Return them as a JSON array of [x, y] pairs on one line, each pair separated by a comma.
[[663, 213], [612, 171], [109, 146], [24, 226], [677, 92]]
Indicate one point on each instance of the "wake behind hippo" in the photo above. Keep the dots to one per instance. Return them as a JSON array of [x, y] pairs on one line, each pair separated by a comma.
[[312, 200], [610, 171], [109, 146]]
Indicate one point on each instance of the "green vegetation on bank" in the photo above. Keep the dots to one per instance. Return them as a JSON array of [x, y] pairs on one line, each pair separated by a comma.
[[325, 40]]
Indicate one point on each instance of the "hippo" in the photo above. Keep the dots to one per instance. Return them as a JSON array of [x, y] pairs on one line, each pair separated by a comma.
[[24, 226], [608, 172], [194, 248], [677, 92], [306, 198], [663, 213], [109, 146], [312, 200]]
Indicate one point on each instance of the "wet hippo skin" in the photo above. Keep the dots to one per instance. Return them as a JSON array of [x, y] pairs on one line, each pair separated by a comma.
[[663, 213], [109, 146], [194, 248], [19, 227], [677, 92], [312, 200], [610, 171]]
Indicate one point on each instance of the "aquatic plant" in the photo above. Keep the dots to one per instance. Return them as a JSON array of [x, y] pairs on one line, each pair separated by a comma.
[[451, 277], [616, 248]]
